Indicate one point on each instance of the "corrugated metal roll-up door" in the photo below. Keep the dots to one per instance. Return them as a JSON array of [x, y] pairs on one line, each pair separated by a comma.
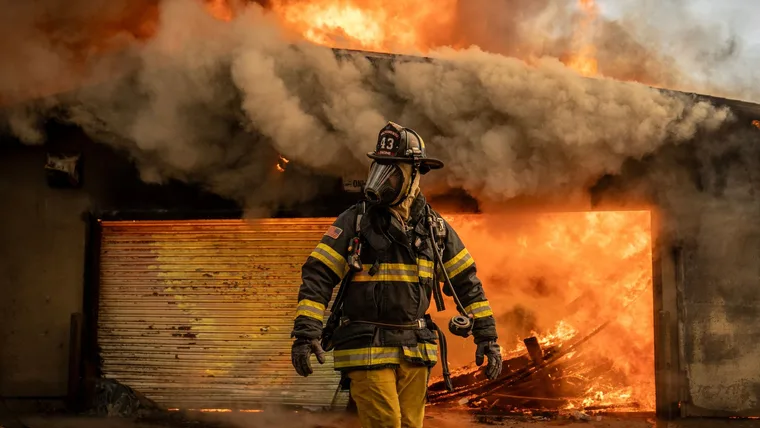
[[198, 314]]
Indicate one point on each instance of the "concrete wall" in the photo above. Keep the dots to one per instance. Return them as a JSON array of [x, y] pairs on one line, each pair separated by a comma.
[[720, 281], [42, 252], [41, 265], [721, 324]]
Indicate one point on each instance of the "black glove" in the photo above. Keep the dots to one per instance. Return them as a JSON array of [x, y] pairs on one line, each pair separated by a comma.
[[491, 350], [301, 352]]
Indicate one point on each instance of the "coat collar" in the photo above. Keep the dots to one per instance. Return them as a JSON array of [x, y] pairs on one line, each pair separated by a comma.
[[379, 226]]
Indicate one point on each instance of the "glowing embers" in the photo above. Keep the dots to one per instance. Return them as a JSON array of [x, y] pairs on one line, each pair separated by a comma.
[[282, 162], [580, 284]]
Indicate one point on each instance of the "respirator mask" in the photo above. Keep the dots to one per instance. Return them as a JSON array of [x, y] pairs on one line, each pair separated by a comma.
[[388, 183]]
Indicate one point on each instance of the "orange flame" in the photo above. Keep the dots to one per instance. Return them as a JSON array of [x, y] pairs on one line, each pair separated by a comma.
[[220, 9], [560, 276], [584, 59], [281, 163], [376, 25]]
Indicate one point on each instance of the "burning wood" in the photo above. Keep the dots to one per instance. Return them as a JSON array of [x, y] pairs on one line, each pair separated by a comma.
[[560, 377]]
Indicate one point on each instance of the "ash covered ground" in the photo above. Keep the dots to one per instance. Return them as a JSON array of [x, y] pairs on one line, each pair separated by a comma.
[[435, 418]]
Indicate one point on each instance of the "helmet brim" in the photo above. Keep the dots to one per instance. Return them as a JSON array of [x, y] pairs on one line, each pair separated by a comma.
[[430, 163]]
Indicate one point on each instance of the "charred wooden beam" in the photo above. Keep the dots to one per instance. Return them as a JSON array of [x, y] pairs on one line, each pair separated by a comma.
[[476, 382], [535, 351]]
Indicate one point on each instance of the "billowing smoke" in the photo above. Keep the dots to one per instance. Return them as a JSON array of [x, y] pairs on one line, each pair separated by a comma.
[[661, 43], [702, 41], [212, 102]]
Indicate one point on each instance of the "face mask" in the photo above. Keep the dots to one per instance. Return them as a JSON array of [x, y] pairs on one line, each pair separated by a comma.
[[386, 184]]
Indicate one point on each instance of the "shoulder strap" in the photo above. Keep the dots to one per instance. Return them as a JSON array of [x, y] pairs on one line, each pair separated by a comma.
[[439, 227], [359, 216], [353, 257]]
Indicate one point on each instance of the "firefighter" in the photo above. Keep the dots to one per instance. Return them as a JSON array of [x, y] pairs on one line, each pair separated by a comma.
[[385, 343]]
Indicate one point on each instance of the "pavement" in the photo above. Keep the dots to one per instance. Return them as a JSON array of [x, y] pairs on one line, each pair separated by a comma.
[[434, 419]]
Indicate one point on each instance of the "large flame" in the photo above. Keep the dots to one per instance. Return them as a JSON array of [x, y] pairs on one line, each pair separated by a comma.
[[560, 276], [406, 26], [376, 25], [395, 26]]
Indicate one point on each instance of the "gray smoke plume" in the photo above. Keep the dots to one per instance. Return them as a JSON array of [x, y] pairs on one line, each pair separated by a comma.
[[213, 102], [718, 59], [657, 42]]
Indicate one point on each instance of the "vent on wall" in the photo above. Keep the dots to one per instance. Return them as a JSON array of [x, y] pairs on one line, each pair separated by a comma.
[[64, 170]]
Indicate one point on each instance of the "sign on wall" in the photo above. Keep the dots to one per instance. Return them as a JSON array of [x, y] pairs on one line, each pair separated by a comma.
[[353, 184]]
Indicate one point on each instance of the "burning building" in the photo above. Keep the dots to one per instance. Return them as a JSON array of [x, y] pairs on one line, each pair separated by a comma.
[[612, 223]]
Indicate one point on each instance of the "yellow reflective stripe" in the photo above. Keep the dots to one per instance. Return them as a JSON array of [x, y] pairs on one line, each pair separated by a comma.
[[381, 277], [423, 351], [366, 357], [311, 309], [398, 266], [362, 351], [462, 267], [311, 303], [330, 258], [459, 263], [425, 268], [479, 309], [426, 263], [456, 258], [486, 313], [398, 272], [363, 357]]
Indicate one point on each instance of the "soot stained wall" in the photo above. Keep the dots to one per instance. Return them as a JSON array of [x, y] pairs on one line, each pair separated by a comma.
[[42, 251], [720, 265]]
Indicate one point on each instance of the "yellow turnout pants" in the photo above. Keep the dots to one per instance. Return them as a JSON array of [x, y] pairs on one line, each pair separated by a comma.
[[391, 397]]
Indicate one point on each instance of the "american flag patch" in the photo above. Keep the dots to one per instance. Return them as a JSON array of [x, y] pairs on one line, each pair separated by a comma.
[[334, 232]]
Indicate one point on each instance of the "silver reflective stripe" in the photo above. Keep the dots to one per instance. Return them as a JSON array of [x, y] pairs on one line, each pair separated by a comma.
[[425, 269], [366, 356], [427, 353], [316, 311], [382, 271], [338, 262], [480, 309], [455, 267]]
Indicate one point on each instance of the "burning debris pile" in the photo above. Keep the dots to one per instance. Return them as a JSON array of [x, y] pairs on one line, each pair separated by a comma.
[[574, 292], [559, 377]]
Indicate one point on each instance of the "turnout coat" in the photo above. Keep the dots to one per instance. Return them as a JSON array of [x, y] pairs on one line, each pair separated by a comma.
[[394, 288]]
